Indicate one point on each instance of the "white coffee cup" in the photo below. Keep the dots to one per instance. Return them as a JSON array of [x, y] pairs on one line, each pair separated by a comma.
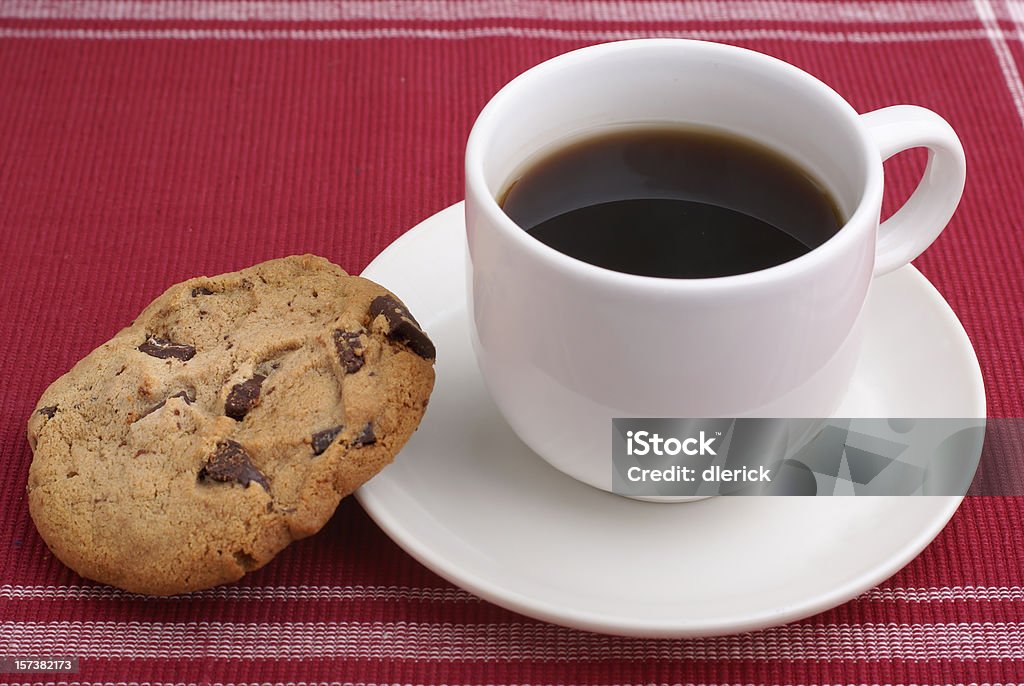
[[564, 346]]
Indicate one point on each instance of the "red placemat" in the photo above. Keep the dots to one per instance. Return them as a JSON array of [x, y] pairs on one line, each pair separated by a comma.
[[142, 143]]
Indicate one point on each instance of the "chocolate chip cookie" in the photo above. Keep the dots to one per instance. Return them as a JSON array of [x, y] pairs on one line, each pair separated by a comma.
[[228, 420]]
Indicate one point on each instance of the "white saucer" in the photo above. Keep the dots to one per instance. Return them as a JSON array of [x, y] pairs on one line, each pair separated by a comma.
[[467, 499]]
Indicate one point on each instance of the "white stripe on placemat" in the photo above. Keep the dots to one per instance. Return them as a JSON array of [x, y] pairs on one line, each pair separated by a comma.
[[1015, 10], [934, 594], [347, 593], [536, 642], [1007, 64], [929, 594], [383, 33], [443, 595], [463, 10]]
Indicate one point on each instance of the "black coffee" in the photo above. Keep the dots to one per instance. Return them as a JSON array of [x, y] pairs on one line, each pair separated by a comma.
[[674, 202]]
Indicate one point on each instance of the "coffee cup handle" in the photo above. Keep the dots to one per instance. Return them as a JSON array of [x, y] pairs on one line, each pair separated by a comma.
[[906, 234]]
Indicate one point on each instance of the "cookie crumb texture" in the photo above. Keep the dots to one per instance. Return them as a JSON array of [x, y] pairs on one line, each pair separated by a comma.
[[226, 422]]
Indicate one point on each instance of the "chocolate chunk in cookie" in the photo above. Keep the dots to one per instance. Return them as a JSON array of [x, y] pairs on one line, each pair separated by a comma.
[[201, 290], [402, 327], [349, 346], [230, 463], [48, 411], [322, 440], [243, 397], [165, 349], [366, 436]]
